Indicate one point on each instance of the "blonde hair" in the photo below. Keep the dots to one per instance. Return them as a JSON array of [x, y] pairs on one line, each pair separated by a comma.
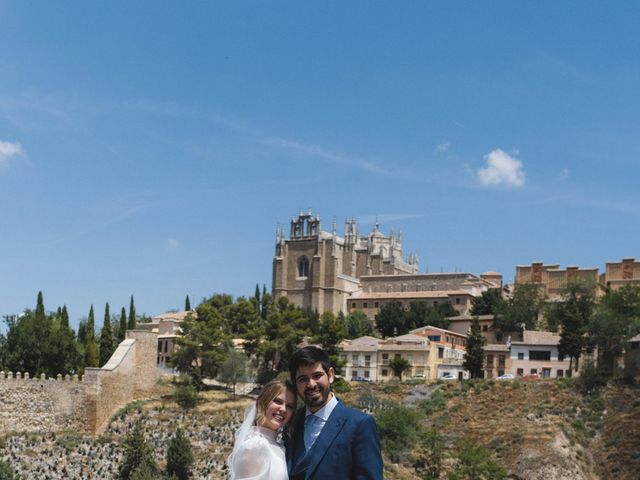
[[270, 391]]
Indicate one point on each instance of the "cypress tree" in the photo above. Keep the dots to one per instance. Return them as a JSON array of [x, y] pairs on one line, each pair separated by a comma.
[[40, 315], [187, 304], [179, 457], [138, 454], [91, 325], [474, 356], [91, 358], [106, 338], [82, 332], [132, 315], [122, 330], [64, 318]]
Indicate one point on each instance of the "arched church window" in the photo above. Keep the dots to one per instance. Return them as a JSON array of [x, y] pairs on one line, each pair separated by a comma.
[[303, 267]]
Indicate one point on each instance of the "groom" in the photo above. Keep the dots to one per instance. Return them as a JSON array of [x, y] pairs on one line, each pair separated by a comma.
[[330, 440]]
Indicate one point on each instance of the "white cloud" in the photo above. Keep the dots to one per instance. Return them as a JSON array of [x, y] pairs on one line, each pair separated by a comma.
[[501, 169], [8, 150], [443, 147], [172, 243]]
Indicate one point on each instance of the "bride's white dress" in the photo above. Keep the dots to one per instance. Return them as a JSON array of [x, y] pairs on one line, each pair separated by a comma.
[[257, 454]]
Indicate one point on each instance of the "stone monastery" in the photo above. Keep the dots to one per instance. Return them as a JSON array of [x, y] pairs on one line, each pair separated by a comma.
[[326, 272]]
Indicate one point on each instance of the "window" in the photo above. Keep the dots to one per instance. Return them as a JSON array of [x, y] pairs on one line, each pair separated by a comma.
[[447, 337], [364, 304], [354, 359], [546, 373], [353, 304], [303, 267], [434, 338], [520, 355], [457, 301], [500, 373], [485, 328], [560, 373], [489, 360], [440, 352], [385, 372], [539, 355], [366, 374], [375, 304], [385, 359], [354, 373], [533, 371], [520, 372], [367, 360], [501, 360], [166, 346], [397, 355]]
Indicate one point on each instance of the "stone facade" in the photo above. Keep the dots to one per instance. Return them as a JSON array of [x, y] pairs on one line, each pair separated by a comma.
[[320, 270], [552, 279], [325, 272], [625, 272], [84, 405]]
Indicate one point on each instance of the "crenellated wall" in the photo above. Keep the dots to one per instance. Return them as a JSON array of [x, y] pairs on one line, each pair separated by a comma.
[[84, 405]]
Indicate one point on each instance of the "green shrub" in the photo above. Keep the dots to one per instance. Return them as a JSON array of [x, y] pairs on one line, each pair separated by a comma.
[[433, 404], [340, 385], [7, 472], [186, 396], [398, 427], [591, 379], [179, 457], [474, 462]]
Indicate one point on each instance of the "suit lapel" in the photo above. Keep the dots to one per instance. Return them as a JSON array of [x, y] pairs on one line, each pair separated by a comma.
[[325, 439], [296, 448]]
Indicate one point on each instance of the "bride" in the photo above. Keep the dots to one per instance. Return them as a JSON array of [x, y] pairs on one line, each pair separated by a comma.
[[258, 453]]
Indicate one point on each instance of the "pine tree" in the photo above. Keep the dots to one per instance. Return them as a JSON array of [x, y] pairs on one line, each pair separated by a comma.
[[132, 315], [179, 457], [474, 356], [106, 338], [138, 454], [122, 329], [187, 304]]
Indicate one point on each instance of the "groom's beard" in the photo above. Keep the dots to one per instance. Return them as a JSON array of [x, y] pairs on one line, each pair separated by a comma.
[[317, 396]]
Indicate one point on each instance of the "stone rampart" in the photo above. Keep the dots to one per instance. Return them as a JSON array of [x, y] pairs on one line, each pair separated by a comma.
[[84, 405]]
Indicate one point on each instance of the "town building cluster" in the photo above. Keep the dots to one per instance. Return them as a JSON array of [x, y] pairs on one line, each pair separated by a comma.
[[326, 272]]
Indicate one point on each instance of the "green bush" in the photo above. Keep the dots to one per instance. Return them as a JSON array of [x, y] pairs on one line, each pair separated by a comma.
[[474, 462], [591, 379], [186, 396], [179, 457], [433, 404], [7, 472], [137, 462], [340, 385], [399, 427]]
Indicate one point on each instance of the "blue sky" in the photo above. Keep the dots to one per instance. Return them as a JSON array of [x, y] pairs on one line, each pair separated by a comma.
[[150, 148]]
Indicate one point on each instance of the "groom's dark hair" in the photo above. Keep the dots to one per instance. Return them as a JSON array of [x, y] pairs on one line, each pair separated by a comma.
[[308, 356]]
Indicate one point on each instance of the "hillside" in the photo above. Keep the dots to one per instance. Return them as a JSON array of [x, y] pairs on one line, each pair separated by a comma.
[[535, 430]]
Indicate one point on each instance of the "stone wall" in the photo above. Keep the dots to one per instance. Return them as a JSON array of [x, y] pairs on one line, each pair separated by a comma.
[[84, 405]]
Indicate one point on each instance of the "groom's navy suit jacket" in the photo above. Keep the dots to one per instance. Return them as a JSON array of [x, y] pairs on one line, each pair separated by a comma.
[[348, 447]]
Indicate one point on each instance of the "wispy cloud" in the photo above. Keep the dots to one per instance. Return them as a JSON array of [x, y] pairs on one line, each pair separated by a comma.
[[443, 147], [501, 169], [173, 243], [9, 150], [325, 154]]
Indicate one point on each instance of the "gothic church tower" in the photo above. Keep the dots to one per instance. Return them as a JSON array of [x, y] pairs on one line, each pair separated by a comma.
[[320, 270]]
